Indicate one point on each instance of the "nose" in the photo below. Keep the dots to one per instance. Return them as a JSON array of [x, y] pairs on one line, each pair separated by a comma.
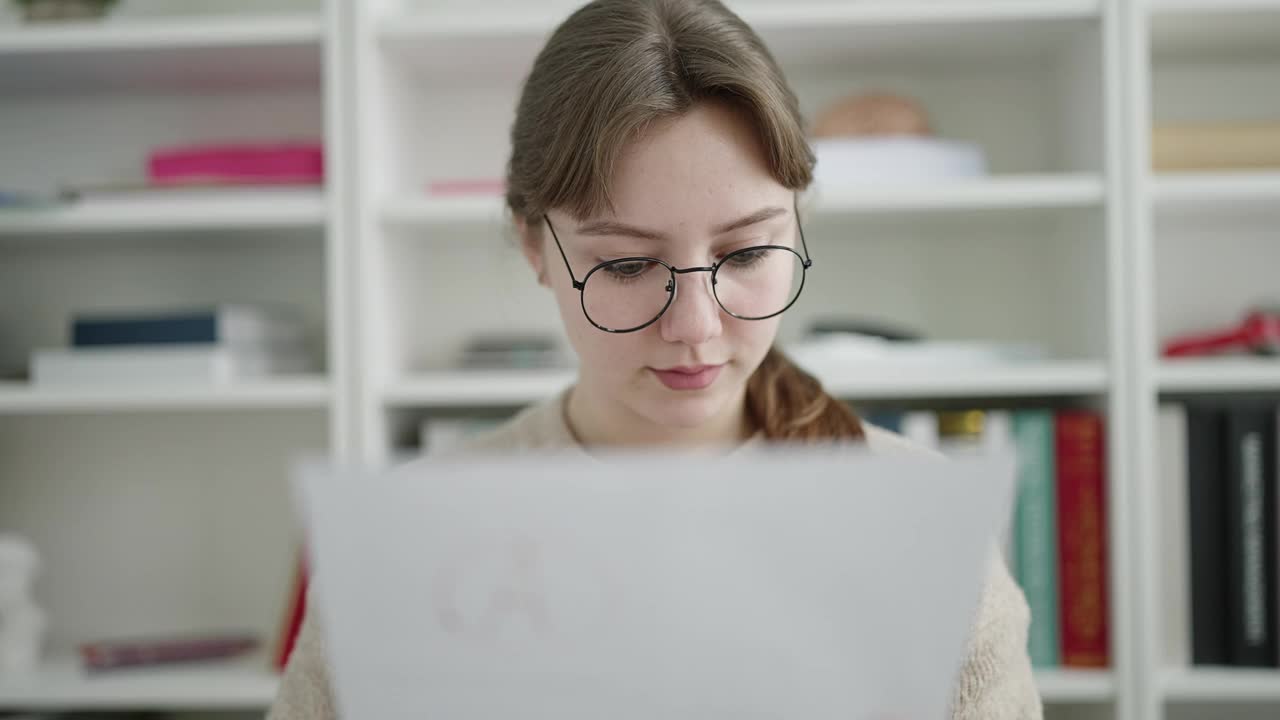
[[694, 315]]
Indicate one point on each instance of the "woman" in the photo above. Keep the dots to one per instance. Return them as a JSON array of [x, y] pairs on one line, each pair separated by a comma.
[[656, 155]]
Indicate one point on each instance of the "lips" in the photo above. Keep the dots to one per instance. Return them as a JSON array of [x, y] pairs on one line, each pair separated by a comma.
[[684, 377]]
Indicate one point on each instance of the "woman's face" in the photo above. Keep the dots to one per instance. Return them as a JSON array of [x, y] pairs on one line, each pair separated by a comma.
[[689, 191]]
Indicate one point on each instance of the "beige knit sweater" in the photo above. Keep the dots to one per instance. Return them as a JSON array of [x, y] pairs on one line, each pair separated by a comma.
[[995, 683]]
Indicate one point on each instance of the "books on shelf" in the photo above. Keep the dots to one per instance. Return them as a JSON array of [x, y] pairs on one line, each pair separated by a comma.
[[1057, 539], [1219, 463], [217, 344], [161, 364], [1216, 146], [238, 163]]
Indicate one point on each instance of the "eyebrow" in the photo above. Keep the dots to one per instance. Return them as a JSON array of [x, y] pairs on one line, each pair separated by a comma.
[[608, 227]]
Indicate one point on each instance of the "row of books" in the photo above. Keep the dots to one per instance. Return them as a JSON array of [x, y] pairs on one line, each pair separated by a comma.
[[1056, 543], [1218, 486], [190, 345]]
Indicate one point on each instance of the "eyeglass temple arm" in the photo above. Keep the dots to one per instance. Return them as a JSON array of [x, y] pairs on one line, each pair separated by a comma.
[[795, 204], [576, 284]]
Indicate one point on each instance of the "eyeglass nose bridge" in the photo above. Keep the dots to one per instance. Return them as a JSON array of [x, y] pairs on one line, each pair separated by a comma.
[[684, 271]]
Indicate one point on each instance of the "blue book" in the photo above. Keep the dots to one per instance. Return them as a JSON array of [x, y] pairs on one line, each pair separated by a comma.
[[1035, 546], [225, 325]]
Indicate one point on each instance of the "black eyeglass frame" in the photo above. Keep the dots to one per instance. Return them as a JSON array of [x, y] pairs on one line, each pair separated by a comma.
[[580, 285]]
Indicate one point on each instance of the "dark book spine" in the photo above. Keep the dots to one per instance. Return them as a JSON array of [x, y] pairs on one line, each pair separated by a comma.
[[176, 329], [1206, 501], [1250, 527]]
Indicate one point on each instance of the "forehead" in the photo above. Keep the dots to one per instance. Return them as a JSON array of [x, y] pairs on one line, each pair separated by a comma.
[[703, 167]]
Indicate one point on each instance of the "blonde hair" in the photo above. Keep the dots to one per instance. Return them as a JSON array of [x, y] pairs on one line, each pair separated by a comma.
[[611, 70]]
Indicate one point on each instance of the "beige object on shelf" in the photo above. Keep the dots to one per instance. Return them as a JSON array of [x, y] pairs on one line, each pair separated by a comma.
[[1216, 146], [878, 113]]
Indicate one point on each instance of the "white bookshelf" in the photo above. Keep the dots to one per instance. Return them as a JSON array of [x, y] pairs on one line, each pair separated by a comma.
[[1069, 242], [174, 210], [1076, 686], [1221, 686], [1193, 61], [1205, 376], [139, 54], [61, 684], [280, 394]]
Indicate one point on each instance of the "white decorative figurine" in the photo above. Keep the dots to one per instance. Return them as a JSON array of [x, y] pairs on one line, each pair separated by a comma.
[[22, 623]]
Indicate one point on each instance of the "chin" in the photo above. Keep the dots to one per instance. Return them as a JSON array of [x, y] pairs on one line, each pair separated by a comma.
[[684, 409]]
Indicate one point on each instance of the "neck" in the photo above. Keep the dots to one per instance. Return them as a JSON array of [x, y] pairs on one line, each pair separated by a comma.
[[597, 422]]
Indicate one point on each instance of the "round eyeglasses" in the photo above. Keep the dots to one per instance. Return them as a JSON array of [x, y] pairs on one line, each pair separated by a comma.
[[629, 294]]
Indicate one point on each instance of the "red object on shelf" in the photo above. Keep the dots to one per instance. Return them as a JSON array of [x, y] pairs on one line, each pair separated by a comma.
[[137, 652], [1258, 332], [1082, 539], [238, 164], [294, 614]]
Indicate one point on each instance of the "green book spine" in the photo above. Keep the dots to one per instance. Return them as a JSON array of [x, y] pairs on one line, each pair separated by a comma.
[[1035, 532]]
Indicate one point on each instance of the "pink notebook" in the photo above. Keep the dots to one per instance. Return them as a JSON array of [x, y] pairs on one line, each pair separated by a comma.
[[248, 164]]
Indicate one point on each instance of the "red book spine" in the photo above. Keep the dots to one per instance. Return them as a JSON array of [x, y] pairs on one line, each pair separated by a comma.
[[294, 614], [1082, 539]]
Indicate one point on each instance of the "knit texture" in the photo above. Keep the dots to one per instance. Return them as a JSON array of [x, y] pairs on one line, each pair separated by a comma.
[[995, 681]]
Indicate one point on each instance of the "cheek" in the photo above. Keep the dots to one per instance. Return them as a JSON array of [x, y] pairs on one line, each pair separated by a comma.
[[752, 338], [599, 352]]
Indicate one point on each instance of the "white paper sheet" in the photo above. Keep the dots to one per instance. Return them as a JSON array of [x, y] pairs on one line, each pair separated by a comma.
[[796, 584]]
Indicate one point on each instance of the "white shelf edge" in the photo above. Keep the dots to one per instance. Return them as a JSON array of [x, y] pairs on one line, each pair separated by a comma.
[[1014, 380], [300, 392], [990, 193], [1209, 6], [1065, 685], [1220, 685], [482, 388], [161, 33], [170, 210], [995, 193], [1214, 375], [61, 685], [399, 27], [1217, 188]]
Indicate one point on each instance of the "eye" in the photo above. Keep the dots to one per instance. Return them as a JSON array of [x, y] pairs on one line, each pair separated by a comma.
[[628, 270], [746, 258]]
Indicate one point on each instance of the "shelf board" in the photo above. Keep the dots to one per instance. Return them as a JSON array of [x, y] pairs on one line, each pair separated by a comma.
[[1209, 6], [991, 193], [1214, 28], [1221, 685], [497, 388], [501, 47], [61, 685], [1064, 686], [1047, 379], [180, 52], [303, 392], [1230, 374], [222, 209], [1183, 191], [997, 193]]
